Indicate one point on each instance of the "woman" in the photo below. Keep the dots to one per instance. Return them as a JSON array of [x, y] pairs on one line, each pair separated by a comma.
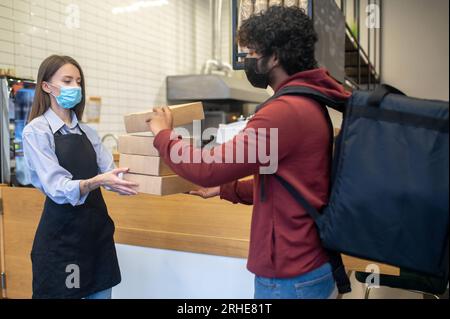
[[73, 253]]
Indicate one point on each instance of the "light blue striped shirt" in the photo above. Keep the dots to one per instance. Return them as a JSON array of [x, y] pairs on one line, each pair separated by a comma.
[[46, 173]]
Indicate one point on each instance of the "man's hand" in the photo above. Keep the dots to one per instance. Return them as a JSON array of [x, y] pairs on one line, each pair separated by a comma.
[[207, 192], [162, 119]]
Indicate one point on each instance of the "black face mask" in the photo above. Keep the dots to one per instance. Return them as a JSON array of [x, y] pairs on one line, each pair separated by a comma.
[[257, 78]]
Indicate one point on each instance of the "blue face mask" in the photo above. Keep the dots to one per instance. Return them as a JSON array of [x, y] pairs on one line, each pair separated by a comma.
[[69, 97]]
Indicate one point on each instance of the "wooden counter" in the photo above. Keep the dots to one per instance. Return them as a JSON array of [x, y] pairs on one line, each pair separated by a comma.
[[179, 222]]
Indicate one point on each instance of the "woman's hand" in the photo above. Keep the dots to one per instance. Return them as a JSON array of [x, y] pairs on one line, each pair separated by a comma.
[[112, 181], [206, 192], [117, 184], [161, 120]]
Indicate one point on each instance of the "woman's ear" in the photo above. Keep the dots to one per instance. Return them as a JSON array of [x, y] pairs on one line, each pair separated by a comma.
[[46, 87]]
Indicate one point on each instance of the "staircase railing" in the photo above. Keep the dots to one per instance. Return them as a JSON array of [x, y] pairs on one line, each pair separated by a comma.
[[363, 54], [368, 50]]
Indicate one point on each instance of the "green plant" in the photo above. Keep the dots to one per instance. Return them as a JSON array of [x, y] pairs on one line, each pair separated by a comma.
[[354, 29]]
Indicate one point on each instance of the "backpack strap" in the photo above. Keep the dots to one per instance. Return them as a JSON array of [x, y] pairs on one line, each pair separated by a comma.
[[340, 275], [323, 99], [380, 93], [316, 95], [300, 199]]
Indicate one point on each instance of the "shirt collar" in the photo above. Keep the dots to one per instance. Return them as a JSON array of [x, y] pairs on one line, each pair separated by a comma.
[[56, 123]]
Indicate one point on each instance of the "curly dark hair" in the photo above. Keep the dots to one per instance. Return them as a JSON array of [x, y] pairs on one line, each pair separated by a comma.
[[286, 31]]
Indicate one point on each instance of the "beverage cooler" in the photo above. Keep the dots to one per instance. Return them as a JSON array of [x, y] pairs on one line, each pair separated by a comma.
[[16, 99]]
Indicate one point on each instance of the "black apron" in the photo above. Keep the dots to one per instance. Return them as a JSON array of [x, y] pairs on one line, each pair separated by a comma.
[[70, 238]]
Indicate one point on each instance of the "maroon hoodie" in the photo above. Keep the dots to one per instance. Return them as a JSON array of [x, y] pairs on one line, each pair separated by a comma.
[[284, 241]]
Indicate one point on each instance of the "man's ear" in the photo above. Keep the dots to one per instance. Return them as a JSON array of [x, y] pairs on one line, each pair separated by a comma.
[[275, 60]]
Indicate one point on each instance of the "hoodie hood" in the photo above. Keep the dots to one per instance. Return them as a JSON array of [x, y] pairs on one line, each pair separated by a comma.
[[320, 80]]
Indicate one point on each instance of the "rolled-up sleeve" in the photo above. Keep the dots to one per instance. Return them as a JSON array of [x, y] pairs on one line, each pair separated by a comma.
[[52, 179], [238, 192]]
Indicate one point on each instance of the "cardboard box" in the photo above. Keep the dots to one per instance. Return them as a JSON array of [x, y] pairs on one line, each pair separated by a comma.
[[160, 185], [137, 145], [146, 165], [183, 114]]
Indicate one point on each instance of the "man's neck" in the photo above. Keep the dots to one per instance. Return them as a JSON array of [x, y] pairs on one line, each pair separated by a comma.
[[279, 76]]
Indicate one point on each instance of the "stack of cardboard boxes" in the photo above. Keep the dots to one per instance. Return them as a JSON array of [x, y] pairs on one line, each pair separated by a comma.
[[139, 155]]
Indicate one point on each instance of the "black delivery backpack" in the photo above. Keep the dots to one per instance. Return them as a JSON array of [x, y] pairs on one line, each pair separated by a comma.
[[389, 199]]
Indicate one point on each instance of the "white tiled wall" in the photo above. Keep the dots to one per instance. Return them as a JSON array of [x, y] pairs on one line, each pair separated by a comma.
[[126, 57]]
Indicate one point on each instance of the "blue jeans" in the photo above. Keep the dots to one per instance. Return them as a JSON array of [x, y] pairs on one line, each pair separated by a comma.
[[105, 294], [317, 284]]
